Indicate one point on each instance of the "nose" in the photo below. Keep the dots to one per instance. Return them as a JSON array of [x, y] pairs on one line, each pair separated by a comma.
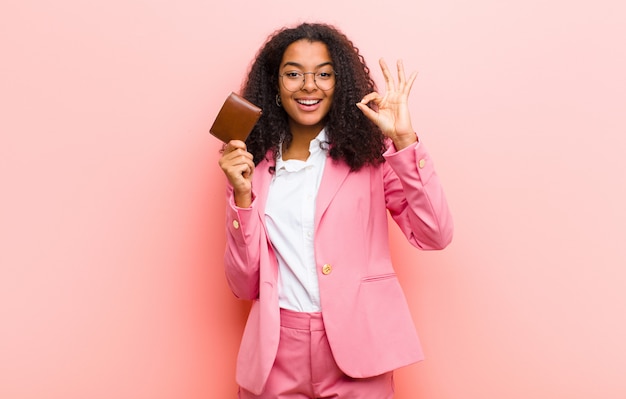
[[309, 84]]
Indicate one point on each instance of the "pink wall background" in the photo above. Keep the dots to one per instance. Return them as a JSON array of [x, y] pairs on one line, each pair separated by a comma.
[[111, 206]]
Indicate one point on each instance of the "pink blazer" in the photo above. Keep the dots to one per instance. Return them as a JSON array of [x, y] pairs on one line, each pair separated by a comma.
[[367, 320]]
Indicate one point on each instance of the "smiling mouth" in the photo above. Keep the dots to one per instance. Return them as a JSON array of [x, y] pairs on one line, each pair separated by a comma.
[[308, 102]]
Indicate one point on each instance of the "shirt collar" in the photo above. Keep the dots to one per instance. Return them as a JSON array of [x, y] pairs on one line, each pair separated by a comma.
[[316, 143]]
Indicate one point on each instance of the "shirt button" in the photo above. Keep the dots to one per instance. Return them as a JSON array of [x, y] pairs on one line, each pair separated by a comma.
[[421, 163], [326, 269], [235, 224]]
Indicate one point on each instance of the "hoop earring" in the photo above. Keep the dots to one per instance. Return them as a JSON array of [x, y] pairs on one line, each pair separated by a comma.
[[278, 102]]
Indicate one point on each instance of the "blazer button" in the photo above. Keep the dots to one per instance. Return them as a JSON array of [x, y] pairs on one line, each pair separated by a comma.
[[326, 269]]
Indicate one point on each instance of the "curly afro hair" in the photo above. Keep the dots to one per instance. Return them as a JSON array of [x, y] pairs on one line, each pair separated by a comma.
[[352, 138]]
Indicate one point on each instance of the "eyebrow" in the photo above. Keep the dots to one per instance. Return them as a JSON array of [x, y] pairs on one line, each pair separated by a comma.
[[295, 64]]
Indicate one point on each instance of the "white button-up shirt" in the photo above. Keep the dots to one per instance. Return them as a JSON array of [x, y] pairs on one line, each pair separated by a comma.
[[290, 220]]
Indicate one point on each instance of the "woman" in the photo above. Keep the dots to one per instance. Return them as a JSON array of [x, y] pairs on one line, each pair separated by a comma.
[[307, 239]]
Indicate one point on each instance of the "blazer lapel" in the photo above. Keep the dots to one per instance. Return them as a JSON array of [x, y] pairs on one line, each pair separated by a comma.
[[335, 172], [262, 179]]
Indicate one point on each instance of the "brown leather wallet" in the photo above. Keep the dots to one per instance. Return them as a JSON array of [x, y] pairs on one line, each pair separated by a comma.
[[236, 119]]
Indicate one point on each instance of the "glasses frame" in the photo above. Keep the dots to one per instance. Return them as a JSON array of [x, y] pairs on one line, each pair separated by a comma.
[[281, 76]]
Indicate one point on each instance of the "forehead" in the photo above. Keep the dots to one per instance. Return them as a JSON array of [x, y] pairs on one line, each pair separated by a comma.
[[306, 54]]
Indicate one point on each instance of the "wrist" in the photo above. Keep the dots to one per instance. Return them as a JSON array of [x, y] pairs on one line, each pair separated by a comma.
[[405, 140], [243, 200]]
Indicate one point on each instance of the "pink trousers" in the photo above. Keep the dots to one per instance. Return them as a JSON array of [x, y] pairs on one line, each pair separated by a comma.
[[305, 368]]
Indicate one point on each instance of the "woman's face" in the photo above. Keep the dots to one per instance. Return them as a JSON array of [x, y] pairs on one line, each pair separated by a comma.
[[304, 101]]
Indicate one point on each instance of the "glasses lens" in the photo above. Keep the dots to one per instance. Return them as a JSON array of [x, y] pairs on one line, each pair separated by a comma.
[[325, 80], [294, 81]]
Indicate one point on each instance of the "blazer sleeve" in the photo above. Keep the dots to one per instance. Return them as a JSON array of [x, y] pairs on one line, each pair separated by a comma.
[[415, 197], [244, 233]]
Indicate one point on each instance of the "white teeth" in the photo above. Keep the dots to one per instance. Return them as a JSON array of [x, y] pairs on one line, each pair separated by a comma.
[[308, 102]]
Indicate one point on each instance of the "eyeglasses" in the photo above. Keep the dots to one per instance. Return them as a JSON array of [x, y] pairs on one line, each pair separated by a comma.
[[295, 80]]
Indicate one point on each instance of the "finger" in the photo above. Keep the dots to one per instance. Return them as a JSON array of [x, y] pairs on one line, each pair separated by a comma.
[[233, 145], [238, 169], [247, 172], [409, 83], [371, 97], [235, 158], [234, 149], [368, 112], [389, 82], [401, 77], [241, 157]]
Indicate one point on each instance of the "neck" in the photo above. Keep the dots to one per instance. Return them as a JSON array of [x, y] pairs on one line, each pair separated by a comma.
[[304, 132], [300, 142]]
